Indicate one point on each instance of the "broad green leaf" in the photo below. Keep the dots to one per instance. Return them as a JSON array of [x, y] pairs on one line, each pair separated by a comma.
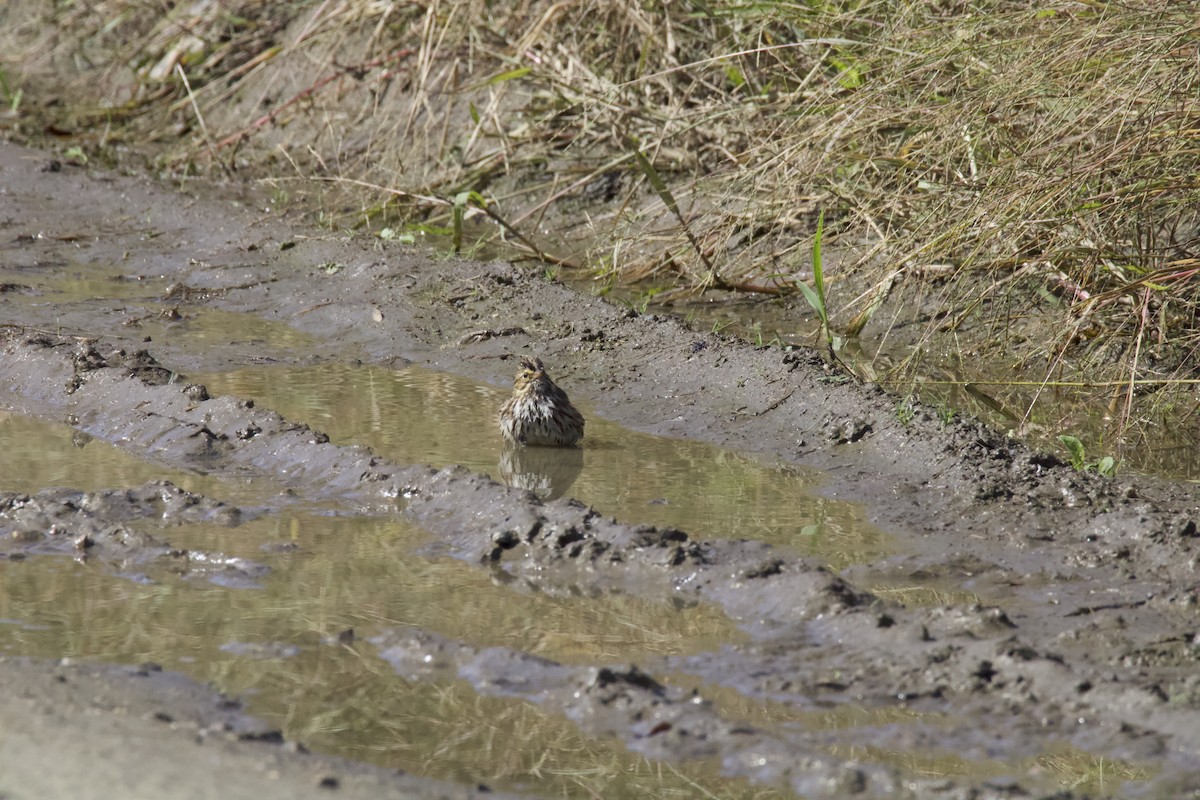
[[1075, 447]]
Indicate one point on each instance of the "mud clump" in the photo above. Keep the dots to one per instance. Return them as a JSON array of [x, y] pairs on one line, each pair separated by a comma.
[[102, 526]]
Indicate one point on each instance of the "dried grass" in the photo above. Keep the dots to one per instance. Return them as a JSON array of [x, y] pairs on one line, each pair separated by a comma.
[[983, 165]]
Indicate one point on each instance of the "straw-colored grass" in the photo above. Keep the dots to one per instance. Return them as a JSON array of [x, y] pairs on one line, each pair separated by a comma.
[[995, 170]]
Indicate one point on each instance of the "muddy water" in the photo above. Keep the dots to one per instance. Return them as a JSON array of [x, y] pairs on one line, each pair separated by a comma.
[[419, 415], [277, 645], [372, 569], [38, 455], [1062, 766], [283, 646]]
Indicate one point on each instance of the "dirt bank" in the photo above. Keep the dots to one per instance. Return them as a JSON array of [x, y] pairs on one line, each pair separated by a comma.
[[1083, 636]]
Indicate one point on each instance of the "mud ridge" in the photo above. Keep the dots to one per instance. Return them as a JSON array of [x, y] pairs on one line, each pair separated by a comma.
[[658, 721], [92, 526]]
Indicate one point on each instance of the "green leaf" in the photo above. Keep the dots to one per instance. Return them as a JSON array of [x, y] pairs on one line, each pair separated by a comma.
[[1048, 296], [660, 186], [813, 299], [849, 76], [818, 265], [815, 295], [512, 74], [1075, 447], [1107, 467]]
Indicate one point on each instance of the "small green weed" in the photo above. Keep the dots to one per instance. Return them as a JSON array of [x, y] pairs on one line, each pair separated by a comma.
[[1106, 466], [646, 298], [816, 296], [393, 235], [7, 94]]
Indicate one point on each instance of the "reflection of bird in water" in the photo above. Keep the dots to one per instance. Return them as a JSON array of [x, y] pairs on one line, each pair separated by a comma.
[[539, 412], [547, 472]]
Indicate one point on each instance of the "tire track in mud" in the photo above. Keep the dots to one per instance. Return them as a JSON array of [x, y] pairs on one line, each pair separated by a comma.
[[807, 622]]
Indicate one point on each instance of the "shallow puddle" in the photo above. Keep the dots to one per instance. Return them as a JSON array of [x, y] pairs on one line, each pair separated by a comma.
[[38, 455], [875, 726], [206, 328], [278, 648], [1083, 773], [58, 283], [418, 415], [283, 649], [366, 566], [284, 646], [149, 306]]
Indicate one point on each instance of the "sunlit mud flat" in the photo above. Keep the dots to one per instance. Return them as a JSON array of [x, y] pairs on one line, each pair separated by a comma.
[[417, 415], [432, 620]]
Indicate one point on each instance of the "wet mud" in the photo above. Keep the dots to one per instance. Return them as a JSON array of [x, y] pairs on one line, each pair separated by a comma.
[[1015, 627]]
